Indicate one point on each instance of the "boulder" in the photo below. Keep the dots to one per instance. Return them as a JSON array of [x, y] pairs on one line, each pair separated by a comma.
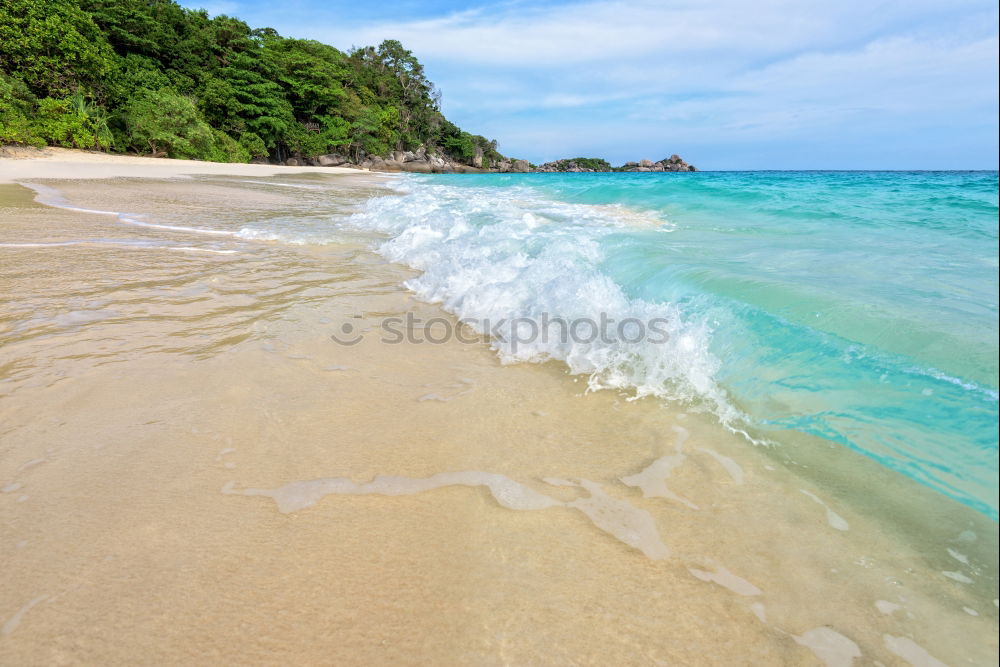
[[292, 162], [645, 163], [331, 160], [643, 169], [520, 166], [477, 159], [418, 166]]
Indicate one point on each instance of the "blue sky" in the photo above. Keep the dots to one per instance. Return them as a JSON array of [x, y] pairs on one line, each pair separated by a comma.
[[727, 84]]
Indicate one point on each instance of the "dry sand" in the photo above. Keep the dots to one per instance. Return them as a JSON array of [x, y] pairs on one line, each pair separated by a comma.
[[20, 163]]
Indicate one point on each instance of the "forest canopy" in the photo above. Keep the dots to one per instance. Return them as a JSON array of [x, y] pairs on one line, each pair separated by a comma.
[[152, 77]]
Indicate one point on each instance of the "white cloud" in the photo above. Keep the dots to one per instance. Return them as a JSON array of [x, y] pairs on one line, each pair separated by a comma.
[[605, 30], [572, 78]]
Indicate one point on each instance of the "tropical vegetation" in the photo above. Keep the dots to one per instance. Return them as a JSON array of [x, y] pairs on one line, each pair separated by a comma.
[[152, 77]]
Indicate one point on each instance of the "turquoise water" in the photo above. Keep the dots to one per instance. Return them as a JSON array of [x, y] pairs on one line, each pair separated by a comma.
[[858, 307]]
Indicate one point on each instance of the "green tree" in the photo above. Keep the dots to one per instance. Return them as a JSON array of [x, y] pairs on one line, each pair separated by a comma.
[[163, 122], [52, 45], [94, 117], [17, 107], [59, 123]]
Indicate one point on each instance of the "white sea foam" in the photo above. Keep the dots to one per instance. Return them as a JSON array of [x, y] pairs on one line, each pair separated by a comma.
[[52, 197], [491, 254]]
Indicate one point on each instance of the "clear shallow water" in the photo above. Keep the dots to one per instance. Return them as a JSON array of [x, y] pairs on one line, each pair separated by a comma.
[[858, 307]]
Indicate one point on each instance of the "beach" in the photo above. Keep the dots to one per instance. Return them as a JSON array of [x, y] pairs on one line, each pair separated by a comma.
[[206, 440]]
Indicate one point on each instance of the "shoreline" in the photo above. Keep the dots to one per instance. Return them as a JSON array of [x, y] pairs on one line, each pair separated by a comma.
[[265, 402], [18, 163], [419, 162]]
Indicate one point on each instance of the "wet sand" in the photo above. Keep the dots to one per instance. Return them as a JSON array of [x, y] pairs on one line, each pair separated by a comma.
[[194, 471]]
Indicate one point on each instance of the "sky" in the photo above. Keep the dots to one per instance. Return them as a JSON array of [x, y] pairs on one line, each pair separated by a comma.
[[726, 84]]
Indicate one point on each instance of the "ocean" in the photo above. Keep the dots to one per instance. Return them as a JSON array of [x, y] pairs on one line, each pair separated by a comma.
[[859, 308]]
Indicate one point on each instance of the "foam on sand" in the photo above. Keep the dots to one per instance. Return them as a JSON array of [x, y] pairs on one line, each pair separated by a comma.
[[629, 524], [10, 625], [652, 479], [833, 648], [726, 579], [832, 518], [911, 652]]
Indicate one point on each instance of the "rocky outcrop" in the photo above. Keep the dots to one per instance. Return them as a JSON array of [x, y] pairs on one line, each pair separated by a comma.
[[672, 163], [331, 160], [421, 161], [577, 164], [425, 160], [520, 167]]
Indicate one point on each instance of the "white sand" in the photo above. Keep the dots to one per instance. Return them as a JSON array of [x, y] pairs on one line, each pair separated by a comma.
[[18, 164]]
